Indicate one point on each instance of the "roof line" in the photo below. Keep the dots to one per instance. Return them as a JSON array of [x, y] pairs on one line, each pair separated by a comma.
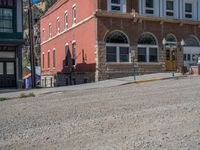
[[50, 11]]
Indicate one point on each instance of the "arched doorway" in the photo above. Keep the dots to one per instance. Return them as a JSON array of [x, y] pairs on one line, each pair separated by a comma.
[[170, 52], [117, 48], [191, 51], [147, 48]]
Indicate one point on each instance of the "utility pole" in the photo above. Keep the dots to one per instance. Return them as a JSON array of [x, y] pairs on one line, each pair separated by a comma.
[[134, 71], [31, 43]]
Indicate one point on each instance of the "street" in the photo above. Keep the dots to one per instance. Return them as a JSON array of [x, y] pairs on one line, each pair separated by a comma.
[[153, 115]]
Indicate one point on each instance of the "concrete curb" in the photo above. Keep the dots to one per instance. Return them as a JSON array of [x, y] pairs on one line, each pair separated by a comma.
[[17, 94], [155, 79]]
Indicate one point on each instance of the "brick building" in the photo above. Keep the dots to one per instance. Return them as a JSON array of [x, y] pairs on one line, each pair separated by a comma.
[[102, 40]]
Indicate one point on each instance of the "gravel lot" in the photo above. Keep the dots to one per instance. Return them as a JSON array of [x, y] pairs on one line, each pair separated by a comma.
[[155, 115]]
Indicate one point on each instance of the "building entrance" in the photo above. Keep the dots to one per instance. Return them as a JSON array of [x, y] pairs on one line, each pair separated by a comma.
[[171, 59], [7, 74]]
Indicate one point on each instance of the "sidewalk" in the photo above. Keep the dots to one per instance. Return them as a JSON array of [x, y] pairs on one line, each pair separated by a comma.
[[101, 84]]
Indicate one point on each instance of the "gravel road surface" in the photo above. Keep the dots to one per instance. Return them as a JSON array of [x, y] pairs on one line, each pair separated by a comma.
[[155, 115]]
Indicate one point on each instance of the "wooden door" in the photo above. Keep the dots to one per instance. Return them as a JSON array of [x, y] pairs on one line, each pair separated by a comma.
[[171, 59], [7, 75]]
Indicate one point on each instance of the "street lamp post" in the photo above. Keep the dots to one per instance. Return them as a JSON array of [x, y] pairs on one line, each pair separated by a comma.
[[134, 71]]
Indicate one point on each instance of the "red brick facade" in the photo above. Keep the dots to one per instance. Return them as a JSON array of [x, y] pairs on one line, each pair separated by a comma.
[[94, 22]]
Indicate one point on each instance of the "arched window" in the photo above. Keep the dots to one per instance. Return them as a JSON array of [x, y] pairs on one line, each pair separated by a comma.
[[147, 39], [117, 47], [192, 41], [170, 38], [67, 55], [117, 37], [147, 48]]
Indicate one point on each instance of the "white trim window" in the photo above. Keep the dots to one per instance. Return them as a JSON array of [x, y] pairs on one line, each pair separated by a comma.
[[58, 25], [54, 58], [117, 48], [43, 35], [188, 9], [66, 20], [43, 61], [74, 14], [169, 8], [147, 53], [73, 53], [117, 53], [117, 5], [67, 55], [48, 59], [147, 49], [50, 30], [149, 7]]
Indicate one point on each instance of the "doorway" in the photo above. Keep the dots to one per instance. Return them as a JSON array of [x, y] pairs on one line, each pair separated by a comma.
[[7, 74], [171, 59]]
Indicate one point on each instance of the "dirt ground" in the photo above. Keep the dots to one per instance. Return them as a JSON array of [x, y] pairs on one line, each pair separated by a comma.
[[157, 115]]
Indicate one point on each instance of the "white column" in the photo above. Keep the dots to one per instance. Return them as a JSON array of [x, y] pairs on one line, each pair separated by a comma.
[[19, 16], [156, 7], [162, 5], [176, 9], [140, 7], [181, 9], [143, 6], [198, 7], [124, 2], [108, 5], [194, 8]]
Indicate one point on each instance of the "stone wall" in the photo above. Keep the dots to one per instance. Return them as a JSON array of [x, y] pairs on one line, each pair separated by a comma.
[[62, 79], [133, 30]]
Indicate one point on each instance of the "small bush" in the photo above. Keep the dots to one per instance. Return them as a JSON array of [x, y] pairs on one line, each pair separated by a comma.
[[31, 94], [23, 95], [3, 99]]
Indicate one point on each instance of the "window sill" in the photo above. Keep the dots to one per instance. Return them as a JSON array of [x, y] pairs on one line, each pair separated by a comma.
[[149, 63], [117, 11], [118, 63]]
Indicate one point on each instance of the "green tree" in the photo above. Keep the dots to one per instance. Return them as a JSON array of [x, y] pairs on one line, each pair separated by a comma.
[[50, 3]]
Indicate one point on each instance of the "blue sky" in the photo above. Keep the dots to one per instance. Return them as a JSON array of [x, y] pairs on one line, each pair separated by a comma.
[[34, 1]]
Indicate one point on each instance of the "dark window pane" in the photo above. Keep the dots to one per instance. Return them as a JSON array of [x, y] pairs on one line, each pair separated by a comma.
[[116, 37], [170, 5], [6, 20], [73, 53], [149, 3], [142, 55], [168, 54], [115, 1], [169, 13], [189, 57], [43, 60], [54, 58], [124, 54], [117, 8], [153, 55], [147, 39], [67, 55], [188, 15], [185, 57], [188, 7], [48, 59], [149, 11], [111, 54]]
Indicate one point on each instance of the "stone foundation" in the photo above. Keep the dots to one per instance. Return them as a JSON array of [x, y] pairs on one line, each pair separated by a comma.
[[62, 79], [106, 70]]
